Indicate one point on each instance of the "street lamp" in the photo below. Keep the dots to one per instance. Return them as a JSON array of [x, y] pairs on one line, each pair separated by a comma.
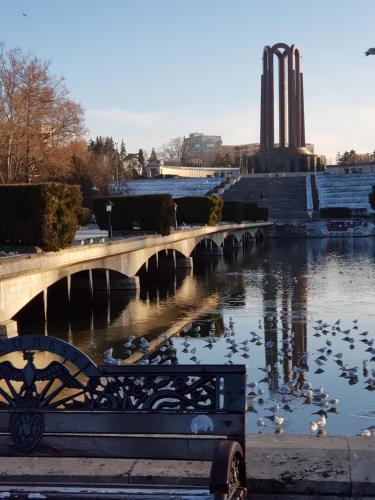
[[108, 209], [175, 216]]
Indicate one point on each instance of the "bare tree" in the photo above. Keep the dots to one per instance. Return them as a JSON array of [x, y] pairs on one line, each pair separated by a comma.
[[173, 151], [37, 118]]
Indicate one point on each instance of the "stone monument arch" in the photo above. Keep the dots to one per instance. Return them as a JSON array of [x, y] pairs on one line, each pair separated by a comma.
[[286, 152]]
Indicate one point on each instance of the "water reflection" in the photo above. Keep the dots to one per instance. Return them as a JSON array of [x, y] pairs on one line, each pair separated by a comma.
[[281, 307]]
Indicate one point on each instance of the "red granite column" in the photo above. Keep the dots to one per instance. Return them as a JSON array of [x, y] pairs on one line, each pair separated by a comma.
[[291, 94], [265, 101], [262, 115], [303, 140], [271, 109], [297, 100], [282, 110]]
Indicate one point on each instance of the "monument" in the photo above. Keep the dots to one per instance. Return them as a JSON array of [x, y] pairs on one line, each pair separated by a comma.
[[289, 153]]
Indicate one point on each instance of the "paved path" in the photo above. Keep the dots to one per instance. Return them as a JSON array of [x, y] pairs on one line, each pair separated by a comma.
[[291, 466]]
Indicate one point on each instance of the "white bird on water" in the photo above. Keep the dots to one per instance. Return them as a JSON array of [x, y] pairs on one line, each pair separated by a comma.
[[274, 408], [108, 357], [321, 422], [260, 423], [278, 420], [366, 433], [313, 426]]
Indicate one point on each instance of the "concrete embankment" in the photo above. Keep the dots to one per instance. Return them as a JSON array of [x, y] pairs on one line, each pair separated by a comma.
[[276, 465]]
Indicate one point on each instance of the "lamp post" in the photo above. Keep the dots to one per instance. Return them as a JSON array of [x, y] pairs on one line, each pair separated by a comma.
[[175, 216], [108, 209]]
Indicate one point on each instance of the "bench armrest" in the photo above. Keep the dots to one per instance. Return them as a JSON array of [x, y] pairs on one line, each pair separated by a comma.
[[228, 471]]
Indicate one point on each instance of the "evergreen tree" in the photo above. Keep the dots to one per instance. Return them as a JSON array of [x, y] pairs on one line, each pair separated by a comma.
[[141, 158], [153, 157], [122, 151]]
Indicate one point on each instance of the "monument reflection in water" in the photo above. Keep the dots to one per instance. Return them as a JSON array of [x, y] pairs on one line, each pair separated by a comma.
[[289, 293]]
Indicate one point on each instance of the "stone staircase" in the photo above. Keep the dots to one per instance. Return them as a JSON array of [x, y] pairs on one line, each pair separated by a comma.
[[285, 197], [346, 190]]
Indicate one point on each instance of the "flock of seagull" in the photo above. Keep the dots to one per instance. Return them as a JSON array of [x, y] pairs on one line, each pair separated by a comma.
[[297, 385]]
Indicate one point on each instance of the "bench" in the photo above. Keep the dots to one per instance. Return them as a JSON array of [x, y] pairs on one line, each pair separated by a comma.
[[55, 402]]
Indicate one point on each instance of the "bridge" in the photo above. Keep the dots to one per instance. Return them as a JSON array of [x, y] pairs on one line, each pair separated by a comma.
[[110, 265]]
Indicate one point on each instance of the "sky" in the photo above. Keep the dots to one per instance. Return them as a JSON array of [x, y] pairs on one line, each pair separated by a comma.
[[150, 70]]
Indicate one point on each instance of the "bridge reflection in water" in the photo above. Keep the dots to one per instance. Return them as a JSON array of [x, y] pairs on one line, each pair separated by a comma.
[[167, 296]]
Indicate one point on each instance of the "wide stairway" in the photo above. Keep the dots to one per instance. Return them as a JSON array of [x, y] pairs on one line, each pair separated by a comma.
[[345, 190], [285, 197], [175, 187]]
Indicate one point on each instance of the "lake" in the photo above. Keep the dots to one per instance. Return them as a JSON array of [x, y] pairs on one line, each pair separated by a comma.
[[296, 311]]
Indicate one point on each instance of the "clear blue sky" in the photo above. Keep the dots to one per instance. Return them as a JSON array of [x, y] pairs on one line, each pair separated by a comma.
[[149, 70]]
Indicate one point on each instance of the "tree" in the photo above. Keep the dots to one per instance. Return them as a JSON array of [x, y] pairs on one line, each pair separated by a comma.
[[141, 158], [173, 152], [347, 157], [37, 118], [122, 151]]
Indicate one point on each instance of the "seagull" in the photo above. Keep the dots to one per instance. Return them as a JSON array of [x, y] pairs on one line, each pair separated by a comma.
[[278, 420], [313, 426], [274, 408], [366, 433], [109, 359], [260, 423], [321, 422], [370, 52]]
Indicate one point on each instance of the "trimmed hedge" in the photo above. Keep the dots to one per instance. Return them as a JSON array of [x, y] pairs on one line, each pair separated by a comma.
[[238, 211], [371, 197], [153, 212], [234, 211], [84, 216], [43, 215], [335, 212], [199, 209], [261, 213]]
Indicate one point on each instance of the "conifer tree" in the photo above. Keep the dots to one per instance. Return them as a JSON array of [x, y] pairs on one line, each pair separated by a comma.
[[153, 157], [141, 158]]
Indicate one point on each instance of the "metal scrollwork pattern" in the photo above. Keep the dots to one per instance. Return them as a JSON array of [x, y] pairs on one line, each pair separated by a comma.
[[166, 392], [74, 382], [235, 489]]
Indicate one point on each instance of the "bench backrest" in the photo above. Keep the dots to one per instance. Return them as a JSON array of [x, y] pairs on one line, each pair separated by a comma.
[[55, 401]]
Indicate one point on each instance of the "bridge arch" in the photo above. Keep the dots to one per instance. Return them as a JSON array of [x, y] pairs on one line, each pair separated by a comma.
[[167, 258], [32, 288]]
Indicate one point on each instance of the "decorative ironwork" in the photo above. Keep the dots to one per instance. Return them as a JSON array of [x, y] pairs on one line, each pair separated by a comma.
[[166, 392], [235, 486], [26, 429], [74, 382]]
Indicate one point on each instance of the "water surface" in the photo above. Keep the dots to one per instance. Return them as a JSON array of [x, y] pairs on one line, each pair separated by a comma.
[[276, 296]]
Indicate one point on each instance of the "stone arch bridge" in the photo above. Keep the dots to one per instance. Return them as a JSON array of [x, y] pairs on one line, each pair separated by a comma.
[[24, 277]]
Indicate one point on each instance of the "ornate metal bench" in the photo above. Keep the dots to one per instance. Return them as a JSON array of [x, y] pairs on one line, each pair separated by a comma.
[[54, 401]]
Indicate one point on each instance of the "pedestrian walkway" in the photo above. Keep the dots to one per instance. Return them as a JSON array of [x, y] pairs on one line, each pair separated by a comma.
[[278, 466]]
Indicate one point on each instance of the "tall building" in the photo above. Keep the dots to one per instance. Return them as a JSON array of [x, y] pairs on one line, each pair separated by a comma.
[[201, 150]]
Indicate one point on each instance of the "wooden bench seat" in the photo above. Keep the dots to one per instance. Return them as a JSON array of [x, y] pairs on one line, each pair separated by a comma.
[[55, 402]]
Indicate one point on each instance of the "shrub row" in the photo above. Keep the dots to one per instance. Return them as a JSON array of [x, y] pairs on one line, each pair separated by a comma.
[[238, 211], [335, 212], [150, 212], [196, 209], [43, 215], [84, 216], [371, 197]]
